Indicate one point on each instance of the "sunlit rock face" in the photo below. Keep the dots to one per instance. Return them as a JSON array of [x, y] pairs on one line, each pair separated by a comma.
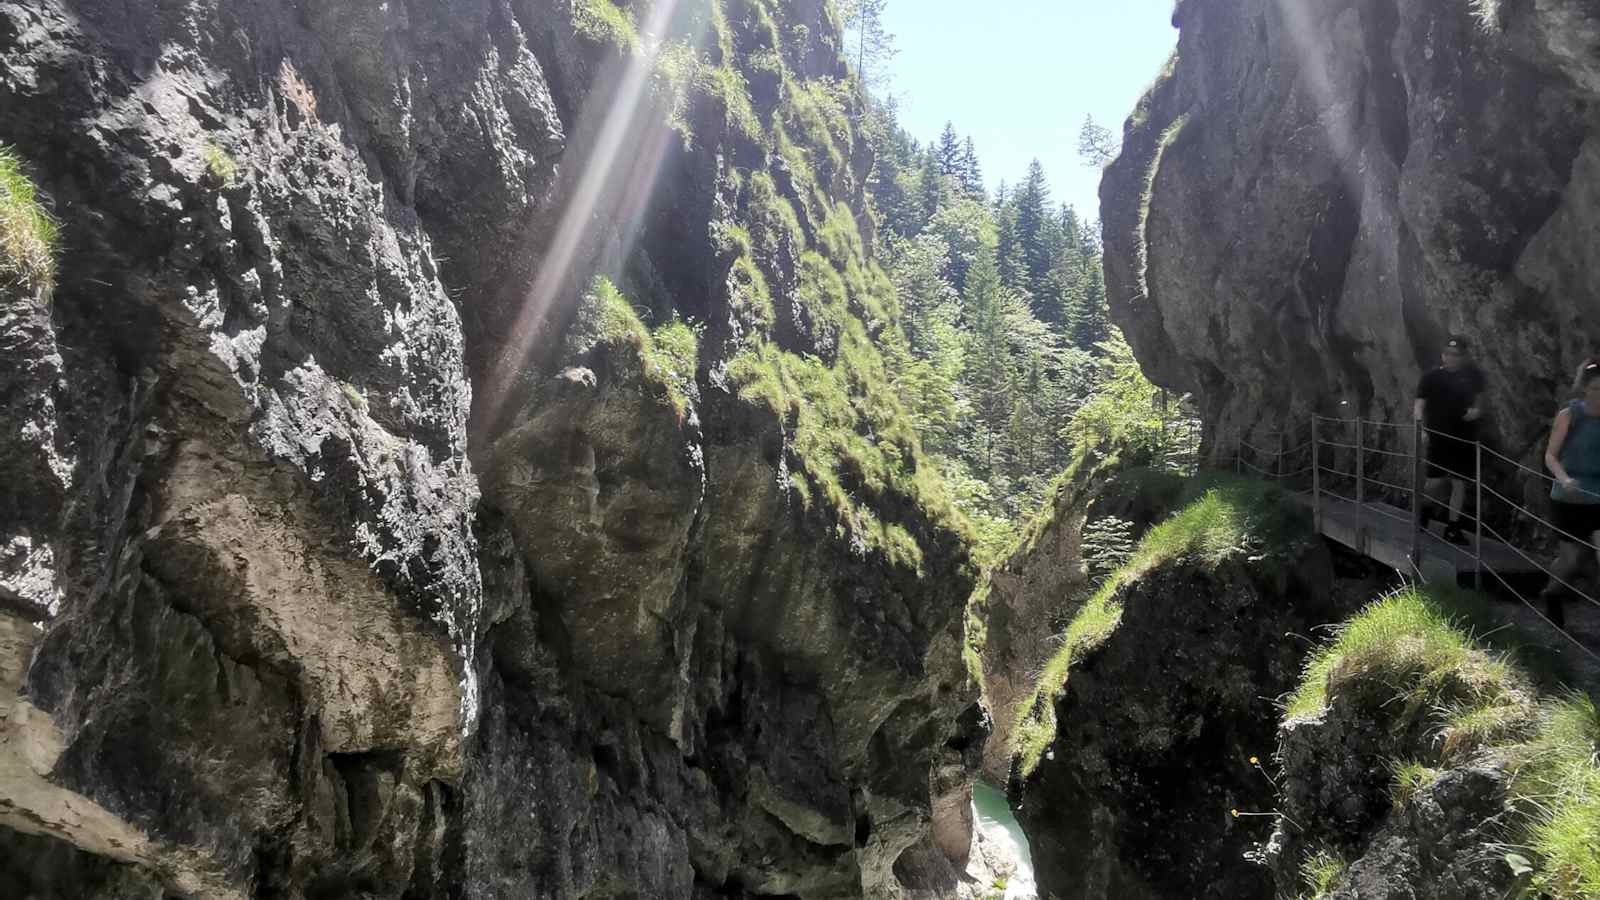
[[351, 547], [1317, 193]]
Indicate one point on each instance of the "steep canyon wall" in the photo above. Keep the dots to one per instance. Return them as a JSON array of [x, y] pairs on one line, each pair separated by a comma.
[[355, 541], [1315, 194]]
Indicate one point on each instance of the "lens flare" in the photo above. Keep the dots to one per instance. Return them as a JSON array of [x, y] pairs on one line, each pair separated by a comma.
[[619, 161]]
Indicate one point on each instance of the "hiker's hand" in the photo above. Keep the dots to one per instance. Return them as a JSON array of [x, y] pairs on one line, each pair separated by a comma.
[[1472, 415]]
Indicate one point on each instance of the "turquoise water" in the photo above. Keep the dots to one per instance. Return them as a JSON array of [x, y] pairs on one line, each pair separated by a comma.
[[995, 820]]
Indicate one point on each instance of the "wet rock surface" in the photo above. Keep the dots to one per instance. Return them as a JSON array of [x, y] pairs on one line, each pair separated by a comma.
[[333, 565]]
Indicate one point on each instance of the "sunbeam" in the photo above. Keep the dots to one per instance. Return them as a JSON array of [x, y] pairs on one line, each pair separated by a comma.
[[619, 170]]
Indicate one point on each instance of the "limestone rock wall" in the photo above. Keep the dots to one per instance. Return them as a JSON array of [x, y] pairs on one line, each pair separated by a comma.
[[1315, 194], [347, 548], [1155, 727]]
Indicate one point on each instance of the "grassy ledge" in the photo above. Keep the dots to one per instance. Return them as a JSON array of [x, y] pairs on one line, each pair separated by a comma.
[[1163, 144], [1232, 517], [604, 22], [1420, 646], [669, 355], [28, 234]]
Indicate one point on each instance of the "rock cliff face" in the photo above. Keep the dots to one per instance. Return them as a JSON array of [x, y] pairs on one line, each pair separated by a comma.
[[1029, 597], [355, 541], [1315, 194], [1165, 696]]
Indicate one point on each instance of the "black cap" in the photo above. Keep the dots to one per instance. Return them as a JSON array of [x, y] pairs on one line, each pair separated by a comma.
[[1458, 342]]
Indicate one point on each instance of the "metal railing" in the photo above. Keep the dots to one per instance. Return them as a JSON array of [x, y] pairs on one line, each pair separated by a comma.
[[1361, 439]]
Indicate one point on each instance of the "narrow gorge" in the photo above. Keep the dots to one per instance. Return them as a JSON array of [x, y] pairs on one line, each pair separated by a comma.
[[591, 449]]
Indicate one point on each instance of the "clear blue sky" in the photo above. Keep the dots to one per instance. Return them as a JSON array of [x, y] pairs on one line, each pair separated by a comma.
[[1019, 76]]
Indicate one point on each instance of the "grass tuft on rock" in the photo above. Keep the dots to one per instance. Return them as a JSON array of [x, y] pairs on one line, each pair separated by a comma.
[[1420, 649], [1320, 872], [1412, 642], [1487, 12], [667, 356], [1557, 786], [28, 234], [1232, 517], [1410, 779]]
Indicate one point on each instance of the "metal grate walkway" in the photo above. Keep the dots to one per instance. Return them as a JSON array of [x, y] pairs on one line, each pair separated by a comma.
[[1340, 474]]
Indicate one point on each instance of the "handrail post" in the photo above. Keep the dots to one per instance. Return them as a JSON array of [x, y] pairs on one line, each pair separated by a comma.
[[1477, 518], [1238, 455], [1280, 456], [1416, 494], [1361, 484], [1316, 477]]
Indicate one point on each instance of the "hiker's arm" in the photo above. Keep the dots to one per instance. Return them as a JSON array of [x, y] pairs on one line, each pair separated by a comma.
[[1552, 451]]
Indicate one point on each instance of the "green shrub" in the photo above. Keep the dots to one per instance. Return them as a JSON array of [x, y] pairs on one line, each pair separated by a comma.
[[28, 234]]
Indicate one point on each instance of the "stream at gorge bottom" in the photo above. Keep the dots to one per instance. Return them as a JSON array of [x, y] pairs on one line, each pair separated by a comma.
[[1001, 845]]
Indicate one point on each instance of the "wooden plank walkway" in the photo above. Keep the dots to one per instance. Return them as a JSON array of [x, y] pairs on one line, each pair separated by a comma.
[[1384, 534]]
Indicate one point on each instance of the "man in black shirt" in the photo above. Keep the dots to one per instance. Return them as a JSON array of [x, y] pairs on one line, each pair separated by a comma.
[[1448, 407]]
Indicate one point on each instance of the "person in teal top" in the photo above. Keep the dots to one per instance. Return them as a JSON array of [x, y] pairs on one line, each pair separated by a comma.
[[1573, 457]]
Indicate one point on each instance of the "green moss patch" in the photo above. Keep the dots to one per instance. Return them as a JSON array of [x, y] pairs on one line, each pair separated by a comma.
[[28, 234], [219, 165], [604, 22], [854, 445]]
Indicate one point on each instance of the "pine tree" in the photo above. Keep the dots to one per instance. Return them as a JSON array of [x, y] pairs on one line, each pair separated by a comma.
[[1096, 144], [1033, 240], [950, 151], [1026, 431], [931, 188], [1090, 322], [869, 47], [1072, 233], [987, 376], [1008, 249], [971, 172]]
